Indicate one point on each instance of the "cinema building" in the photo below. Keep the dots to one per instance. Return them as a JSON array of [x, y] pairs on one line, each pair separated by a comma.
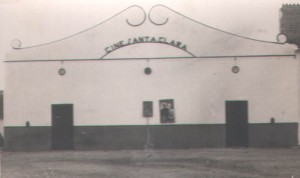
[[151, 81]]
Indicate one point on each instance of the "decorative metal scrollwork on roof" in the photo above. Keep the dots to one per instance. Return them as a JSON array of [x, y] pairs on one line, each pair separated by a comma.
[[152, 20], [16, 44], [144, 17]]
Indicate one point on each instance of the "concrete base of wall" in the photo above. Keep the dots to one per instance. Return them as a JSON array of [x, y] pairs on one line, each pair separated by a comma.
[[156, 137]]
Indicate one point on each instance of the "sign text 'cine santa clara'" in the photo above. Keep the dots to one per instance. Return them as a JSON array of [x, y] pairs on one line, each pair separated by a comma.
[[145, 39]]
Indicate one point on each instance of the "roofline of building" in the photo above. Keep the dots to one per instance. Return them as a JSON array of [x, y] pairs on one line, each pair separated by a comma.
[[153, 58]]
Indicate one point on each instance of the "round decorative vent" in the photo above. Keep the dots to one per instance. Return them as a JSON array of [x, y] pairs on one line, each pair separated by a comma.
[[235, 69], [62, 71], [148, 70]]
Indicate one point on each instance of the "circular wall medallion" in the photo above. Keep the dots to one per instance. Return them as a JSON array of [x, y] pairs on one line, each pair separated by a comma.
[[148, 70], [16, 44], [62, 71], [235, 69], [281, 38]]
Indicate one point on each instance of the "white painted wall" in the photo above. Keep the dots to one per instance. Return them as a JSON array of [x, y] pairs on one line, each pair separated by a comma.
[[112, 92]]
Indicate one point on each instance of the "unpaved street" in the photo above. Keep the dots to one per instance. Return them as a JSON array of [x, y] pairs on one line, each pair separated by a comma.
[[206, 163]]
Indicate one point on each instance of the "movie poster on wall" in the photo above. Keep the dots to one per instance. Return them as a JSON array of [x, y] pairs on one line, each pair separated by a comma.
[[167, 112]]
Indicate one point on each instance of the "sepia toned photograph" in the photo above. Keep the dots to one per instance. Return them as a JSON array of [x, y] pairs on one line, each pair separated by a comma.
[[149, 89]]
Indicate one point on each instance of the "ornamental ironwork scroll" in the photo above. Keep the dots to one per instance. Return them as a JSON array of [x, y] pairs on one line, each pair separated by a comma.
[[152, 20], [143, 18], [17, 44], [150, 15]]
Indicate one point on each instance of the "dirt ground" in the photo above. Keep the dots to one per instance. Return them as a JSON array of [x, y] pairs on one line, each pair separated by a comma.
[[206, 163]]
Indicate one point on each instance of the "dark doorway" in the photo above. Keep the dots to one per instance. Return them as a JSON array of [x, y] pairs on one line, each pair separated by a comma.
[[62, 126], [236, 123]]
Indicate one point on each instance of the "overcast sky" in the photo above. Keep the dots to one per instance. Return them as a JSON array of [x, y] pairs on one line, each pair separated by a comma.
[[38, 21]]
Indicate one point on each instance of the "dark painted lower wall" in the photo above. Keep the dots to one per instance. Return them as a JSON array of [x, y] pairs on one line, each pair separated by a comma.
[[156, 137], [273, 135], [27, 138]]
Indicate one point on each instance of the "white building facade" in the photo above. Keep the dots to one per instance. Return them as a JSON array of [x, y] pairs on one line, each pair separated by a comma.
[[159, 83]]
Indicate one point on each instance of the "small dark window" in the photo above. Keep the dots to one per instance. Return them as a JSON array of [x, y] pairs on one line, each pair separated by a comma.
[[147, 108]]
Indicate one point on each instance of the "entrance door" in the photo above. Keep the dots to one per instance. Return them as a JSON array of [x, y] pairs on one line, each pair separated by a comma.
[[237, 123], [62, 126]]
